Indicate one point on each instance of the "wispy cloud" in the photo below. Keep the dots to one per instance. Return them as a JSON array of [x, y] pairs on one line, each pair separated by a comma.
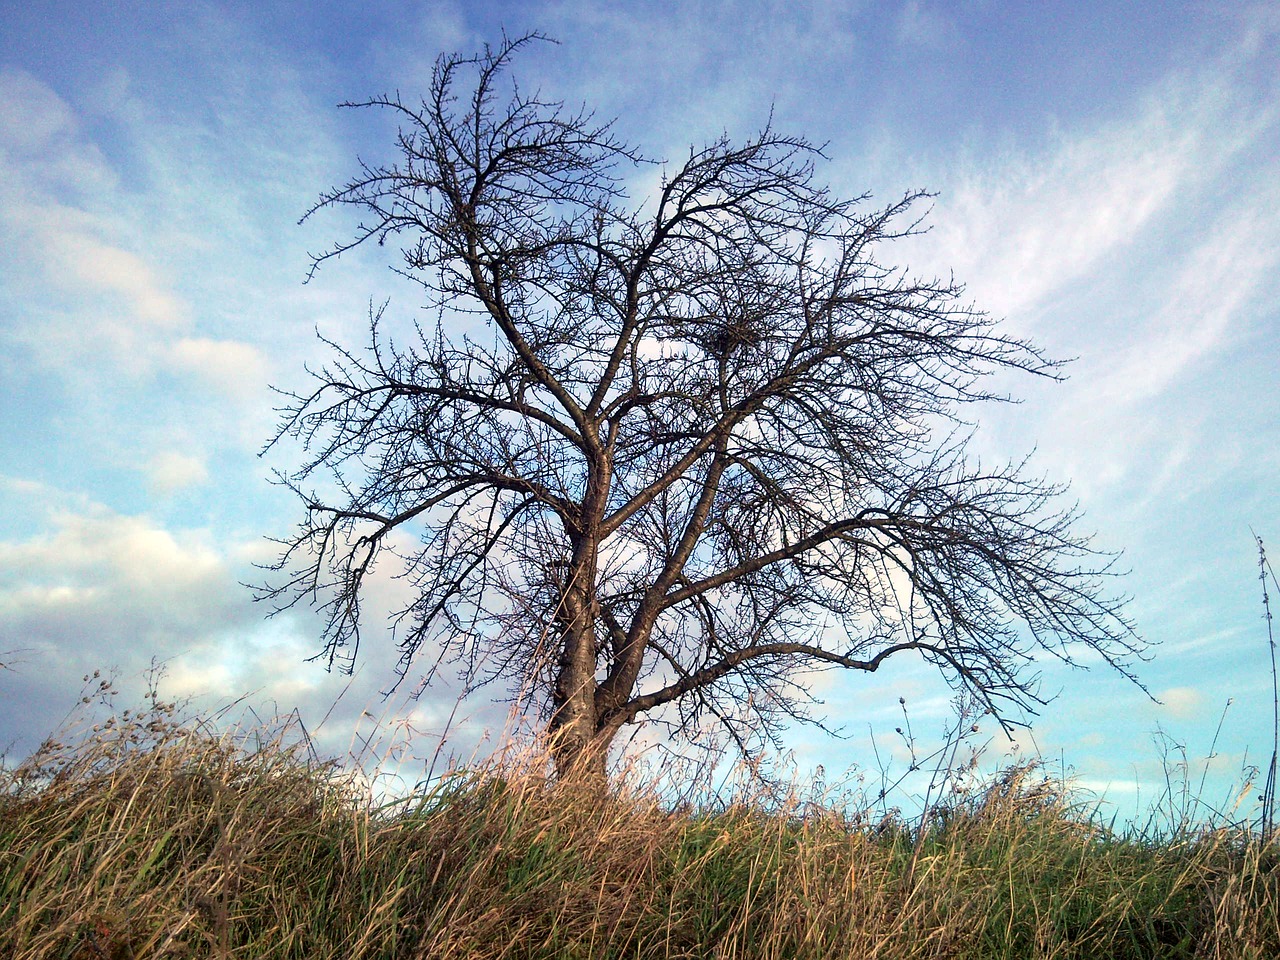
[[74, 256], [1203, 307], [150, 271], [1143, 245], [69, 236], [921, 26], [1021, 227], [42, 140]]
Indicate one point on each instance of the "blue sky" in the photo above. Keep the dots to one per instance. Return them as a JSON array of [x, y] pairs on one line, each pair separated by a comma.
[[1108, 179]]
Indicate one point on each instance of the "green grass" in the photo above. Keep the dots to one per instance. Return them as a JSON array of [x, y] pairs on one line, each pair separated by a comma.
[[149, 837]]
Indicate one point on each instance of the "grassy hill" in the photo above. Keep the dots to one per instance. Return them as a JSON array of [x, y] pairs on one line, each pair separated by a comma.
[[150, 837]]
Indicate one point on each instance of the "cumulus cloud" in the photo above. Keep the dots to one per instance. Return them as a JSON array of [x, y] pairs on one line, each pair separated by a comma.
[[124, 575], [96, 589], [99, 590]]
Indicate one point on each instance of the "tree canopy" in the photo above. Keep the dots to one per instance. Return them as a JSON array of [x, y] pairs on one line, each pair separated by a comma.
[[661, 459]]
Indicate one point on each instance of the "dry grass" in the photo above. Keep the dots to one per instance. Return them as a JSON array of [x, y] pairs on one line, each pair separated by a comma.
[[154, 838]]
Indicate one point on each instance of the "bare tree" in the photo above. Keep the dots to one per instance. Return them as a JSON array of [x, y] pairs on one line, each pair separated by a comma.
[[691, 450]]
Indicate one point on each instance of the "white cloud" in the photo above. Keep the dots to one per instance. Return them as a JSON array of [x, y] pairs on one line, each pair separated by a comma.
[[231, 366], [1182, 702], [43, 149], [264, 661], [121, 295], [96, 589], [1144, 246], [68, 253], [171, 471], [1147, 400], [75, 256], [1213, 641], [127, 565], [22, 487], [59, 216], [1019, 232]]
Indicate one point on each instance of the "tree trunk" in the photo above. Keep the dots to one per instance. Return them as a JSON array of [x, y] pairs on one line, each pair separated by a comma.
[[576, 746], [580, 759]]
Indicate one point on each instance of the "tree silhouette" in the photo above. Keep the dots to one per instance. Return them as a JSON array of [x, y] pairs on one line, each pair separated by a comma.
[[692, 448]]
